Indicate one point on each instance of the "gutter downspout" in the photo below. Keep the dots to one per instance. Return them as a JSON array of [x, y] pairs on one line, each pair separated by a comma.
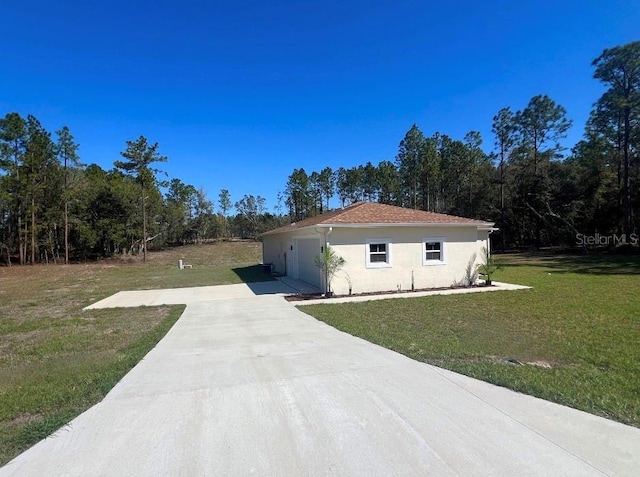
[[489, 232]]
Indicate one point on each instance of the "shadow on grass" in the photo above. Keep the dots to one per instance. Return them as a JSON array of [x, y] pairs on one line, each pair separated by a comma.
[[597, 263], [252, 274]]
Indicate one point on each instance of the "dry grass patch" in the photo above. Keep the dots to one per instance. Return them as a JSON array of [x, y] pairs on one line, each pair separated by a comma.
[[56, 360]]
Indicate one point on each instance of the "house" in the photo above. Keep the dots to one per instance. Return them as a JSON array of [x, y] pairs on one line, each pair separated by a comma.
[[384, 247]]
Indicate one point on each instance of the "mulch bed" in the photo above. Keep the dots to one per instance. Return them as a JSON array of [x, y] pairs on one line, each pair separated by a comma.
[[320, 296]]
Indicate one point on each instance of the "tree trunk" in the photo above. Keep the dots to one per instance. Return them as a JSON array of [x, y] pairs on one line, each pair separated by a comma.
[[33, 230], [8, 251], [428, 196], [66, 215], [626, 203], [144, 226], [66, 233], [502, 234], [21, 246]]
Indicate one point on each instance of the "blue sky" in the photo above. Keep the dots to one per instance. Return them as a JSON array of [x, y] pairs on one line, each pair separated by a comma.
[[240, 93]]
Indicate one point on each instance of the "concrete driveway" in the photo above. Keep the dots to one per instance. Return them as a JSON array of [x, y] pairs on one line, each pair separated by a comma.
[[253, 386], [189, 295]]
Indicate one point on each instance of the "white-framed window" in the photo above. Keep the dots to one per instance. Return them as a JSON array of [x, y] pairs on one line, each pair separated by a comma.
[[433, 251], [378, 253]]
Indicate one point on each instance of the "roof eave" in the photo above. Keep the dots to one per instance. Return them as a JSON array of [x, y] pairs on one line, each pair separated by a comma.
[[412, 224], [479, 225]]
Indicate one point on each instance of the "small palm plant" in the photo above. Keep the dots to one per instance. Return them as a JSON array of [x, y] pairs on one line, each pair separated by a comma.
[[329, 262], [471, 272], [488, 267]]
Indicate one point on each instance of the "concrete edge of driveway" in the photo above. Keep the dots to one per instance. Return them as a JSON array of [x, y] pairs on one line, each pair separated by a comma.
[[188, 295], [282, 287], [497, 286]]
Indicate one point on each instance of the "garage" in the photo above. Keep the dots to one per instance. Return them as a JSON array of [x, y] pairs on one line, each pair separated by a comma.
[[308, 248]]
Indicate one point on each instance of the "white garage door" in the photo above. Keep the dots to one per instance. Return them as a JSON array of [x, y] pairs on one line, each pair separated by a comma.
[[307, 270]]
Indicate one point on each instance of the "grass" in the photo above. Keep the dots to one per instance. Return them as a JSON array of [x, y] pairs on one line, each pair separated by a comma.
[[57, 361], [576, 333]]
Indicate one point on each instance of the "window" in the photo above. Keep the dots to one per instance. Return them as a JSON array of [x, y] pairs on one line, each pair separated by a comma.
[[433, 252], [378, 253]]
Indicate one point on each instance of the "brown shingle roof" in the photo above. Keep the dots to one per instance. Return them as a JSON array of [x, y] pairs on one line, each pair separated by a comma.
[[372, 213]]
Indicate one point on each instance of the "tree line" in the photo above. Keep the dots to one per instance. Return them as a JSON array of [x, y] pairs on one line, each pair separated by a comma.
[[55, 209], [538, 193]]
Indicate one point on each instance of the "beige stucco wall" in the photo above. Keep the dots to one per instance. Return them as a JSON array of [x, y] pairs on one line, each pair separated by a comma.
[[274, 248], [273, 251], [460, 243]]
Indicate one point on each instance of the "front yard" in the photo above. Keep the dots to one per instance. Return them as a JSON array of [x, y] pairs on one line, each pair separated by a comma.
[[57, 360], [573, 339]]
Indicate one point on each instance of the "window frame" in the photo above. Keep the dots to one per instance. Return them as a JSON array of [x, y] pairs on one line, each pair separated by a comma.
[[443, 251], [374, 241]]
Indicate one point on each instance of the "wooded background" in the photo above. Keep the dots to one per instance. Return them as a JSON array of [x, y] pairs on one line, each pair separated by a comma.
[[53, 208]]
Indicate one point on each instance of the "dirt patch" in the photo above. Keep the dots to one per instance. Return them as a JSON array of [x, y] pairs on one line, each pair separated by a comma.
[[509, 361], [541, 364], [22, 420]]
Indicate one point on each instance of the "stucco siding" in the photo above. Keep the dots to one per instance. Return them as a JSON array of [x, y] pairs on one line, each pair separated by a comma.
[[273, 251], [276, 250], [406, 251], [483, 241]]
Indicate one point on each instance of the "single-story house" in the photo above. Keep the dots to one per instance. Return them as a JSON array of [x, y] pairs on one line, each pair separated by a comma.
[[384, 247]]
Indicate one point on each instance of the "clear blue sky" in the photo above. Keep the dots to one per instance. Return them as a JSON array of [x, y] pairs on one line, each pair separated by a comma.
[[240, 93]]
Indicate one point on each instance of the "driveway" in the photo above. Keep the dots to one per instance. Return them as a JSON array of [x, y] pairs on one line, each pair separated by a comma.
[[253, 386], [189, 295]]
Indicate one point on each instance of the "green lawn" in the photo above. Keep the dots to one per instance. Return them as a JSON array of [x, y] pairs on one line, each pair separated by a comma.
[[56, 360], [577, 332]]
